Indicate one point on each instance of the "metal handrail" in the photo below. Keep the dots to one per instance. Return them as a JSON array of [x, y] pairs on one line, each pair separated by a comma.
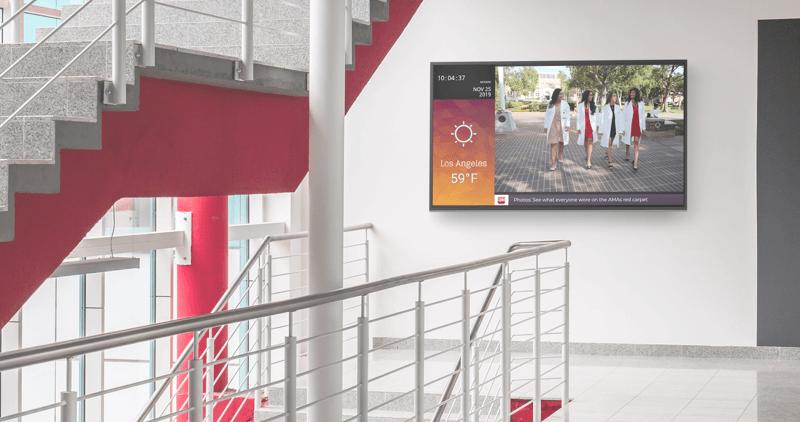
[[248, 266], [86, 345], [477, 325], [19, 12]]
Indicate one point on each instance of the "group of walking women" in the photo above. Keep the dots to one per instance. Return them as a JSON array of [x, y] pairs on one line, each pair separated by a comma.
[[609, 127]]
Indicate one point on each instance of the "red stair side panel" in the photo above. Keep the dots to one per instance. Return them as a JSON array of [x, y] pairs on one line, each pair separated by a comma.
[[185, 140], [369, 57]]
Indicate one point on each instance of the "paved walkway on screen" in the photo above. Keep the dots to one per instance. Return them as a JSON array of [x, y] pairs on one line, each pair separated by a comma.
[[522, 163]]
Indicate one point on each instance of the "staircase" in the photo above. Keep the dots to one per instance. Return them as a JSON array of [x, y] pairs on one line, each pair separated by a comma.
[[189, 128]]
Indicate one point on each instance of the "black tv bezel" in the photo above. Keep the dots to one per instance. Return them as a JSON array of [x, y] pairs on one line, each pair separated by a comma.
[[683, 207]]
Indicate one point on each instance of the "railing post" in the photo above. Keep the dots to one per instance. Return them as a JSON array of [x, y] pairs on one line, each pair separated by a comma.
[[196, 390], [363, 369], [348, 32], [245, 70], [476, 379], [12, 32], [268, 298], [565, 348], [537, 347], [210, 357], [290, 389], [260, 335], [465, 355], [366, 242], [419, 370], [115, 90], [506, 344], [149, 33], [69, 412]]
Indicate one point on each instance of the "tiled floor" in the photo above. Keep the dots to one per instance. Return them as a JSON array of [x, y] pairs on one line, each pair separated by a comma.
[[522, 163], [648, 389]]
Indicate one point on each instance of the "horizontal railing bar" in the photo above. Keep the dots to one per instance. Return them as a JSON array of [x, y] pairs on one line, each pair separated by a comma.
[[354, 276], [487, 311], [427, 305], [326, 398], [550, 390], [557, 308], [488, 334], [275, 258], [392, 400], [355, 260], [440, 404], [523, 278], [444, 326], [32, 411], [529, 403], [353, 418], [243, 355], [522, 321], [489, 403], [171, 415], [289, 273], [354, 245], [319, 336], [47, 37], [53, 79], [486, 381], [311, 371], [523, 299], [90, 344], [239, 393], [135, 384], [523, 385], [485, 358], [492, 287], [551, 369], [392, 343], [526, 361], [393, 371], [441, 378], [197, 12], [17, 13], [443, 352], [289, 290], [392, 315]]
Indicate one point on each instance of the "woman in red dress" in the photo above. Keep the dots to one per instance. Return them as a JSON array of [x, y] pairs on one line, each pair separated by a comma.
[[633, 118], [587, 125]]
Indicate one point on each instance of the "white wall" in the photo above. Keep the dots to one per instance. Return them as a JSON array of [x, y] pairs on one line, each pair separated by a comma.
[[638, 277]]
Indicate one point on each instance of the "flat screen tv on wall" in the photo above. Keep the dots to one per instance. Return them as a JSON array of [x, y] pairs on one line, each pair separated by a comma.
[[558, 135]]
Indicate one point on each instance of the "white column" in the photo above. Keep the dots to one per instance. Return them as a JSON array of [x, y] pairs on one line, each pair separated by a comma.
[[326, 187], [12, 33]]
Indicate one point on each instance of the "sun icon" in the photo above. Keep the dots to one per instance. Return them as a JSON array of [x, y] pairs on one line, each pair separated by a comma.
[[469, 128]]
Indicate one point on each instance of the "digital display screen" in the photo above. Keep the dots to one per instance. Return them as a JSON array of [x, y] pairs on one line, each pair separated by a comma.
[[558, 135]]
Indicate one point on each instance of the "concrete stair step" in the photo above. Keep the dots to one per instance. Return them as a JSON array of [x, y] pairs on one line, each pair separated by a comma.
[[185, 34], [49, 58], [70, 97], [264, 10]]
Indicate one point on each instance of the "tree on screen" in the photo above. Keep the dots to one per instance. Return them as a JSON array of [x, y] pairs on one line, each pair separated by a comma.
[[601, 79], [669, 80], [521, 80]]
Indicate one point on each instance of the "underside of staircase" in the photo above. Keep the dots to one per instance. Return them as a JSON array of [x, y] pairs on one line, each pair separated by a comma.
[[188, 128]]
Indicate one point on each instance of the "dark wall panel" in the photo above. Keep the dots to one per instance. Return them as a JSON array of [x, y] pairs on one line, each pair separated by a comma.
[[778, 183]]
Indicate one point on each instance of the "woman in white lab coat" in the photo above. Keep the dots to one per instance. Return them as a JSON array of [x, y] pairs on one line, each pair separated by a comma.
[[611, 127], [556, 125], [633, 124], [587, 124]]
